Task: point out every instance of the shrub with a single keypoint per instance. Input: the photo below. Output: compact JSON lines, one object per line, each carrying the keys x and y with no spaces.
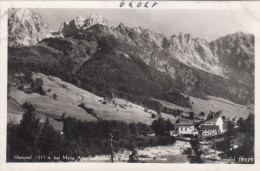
{"x":202,"y":113}
{"x":28,"y":106}
{"x":63,"y":86}
{"x":55,"y":96}
{"x":28,"y":76}
{"x":41,"y":91}
{"x":133,"y":128}
{"x":28,"y":91}
{"x":63,"y":115}
{"x":160,"y":126}
{"x":141,"y":127}
{"x":36,"y":85}
{"x":21,"y":87}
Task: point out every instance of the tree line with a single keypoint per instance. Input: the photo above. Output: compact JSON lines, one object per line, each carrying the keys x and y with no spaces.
{"x":79,"y":138}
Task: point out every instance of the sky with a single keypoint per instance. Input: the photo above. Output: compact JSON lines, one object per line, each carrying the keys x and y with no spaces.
{"x":206,"y":24}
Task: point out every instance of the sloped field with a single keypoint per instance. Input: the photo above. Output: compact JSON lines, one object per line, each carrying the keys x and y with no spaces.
{"x":70,"y":96}
{"x":68,"y":99}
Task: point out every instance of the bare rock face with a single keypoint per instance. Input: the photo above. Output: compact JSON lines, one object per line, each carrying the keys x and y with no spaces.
{"x":236,"y":54}
{"x":160,"y":51}
{"x":196,"y":66}
{"x":26,"y":28}
{"x":231,"y":56}
{"x":70,"y":27}
{"x":192,"y":52}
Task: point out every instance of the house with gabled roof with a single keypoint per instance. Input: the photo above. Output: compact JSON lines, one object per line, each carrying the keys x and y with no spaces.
{"x":216,"y":120}
{"x":209,"y":130}
{"x":184,"y":126}
{"x":212,"y":126}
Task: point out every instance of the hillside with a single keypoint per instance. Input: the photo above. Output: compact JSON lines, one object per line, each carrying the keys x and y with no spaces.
{"x":71,"y":59}
{"x":236,"y":54}
{"x":108,"y":73}
{"x":70,"y":96}
{"x":68,"y":99}
{"x":134,"y":64}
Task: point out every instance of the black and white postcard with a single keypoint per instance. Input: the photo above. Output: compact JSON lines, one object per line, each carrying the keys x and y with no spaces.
{"x":130,"y":82}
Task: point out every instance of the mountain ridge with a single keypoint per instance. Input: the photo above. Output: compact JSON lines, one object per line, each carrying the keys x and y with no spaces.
{"x":189,"y":62}
{"x":69,"y":27}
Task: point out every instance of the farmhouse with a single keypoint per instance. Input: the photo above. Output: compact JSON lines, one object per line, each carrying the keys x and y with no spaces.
{"x":218,"y":121}
{"x":184,"y":126}
{"x":212,"y":126}
{"x":209,"y":130}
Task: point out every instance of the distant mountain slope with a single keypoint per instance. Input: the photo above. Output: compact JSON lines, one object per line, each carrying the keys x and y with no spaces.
{"x":191,"y":80}
{"x":136,"y":63}
{"x":160,"y":50}
{"x":236,"y":53}
{"x":108,"y":73}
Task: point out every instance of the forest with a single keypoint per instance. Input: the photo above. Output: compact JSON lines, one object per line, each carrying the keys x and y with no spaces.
{"x":79,"y":138}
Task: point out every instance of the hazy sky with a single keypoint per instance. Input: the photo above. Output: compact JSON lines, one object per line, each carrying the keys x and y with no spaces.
{"x":207,"y":24}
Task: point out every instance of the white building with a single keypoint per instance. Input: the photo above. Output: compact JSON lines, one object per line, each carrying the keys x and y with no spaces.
{"x":217,"y":121}
{"x":184,"y":126}
{"x":213,"y":126}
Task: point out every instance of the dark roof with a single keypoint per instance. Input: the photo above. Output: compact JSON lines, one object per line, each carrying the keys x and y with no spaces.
{"x":195,"y":130}
{"x":146,"y":132}
{"x":209,"y":127}
{"x":197,"y":120}
{"x":184,"y":121}
{"x":213,"y":120}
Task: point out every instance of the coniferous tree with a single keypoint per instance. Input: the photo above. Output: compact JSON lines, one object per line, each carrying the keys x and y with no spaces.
{"x":29,"y":129}
{"x":49,"y":141}
{"x":228,"y":137}
{"x":133,"y":128}
{"x":248,"y":146}
{"x":195,"y":145}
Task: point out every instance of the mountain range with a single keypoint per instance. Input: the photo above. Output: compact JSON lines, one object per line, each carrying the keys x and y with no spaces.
{"x":133,"y":63}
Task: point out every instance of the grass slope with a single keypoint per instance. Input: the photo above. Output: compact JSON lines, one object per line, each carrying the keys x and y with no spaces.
{"x":70,"y":96}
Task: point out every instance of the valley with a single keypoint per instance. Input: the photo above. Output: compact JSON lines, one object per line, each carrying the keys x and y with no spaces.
{"x":95,"y":89}
{"x":69,"y":97}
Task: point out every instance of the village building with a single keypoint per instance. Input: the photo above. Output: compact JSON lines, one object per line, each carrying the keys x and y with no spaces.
{"x":209,"y":130}
{"x":212,"y":126}
{"x":184,"y":126}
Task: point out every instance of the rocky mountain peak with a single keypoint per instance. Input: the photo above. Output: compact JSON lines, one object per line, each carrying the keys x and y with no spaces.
{"x":23,"y":14}
{"x":26,"y":28}
{"x":185,"y":38}
{"x":79,"y":21}
{"x":240,"y":33}
{"x":122,"y":29}
{"x":97,"y":18}
{"x":69,"y":27}
{"x":236,"y":53}
{"x":121,"y":25}
{"x":229,"y":56}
